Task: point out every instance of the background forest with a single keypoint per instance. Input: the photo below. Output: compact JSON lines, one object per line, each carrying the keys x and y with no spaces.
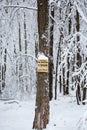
{"x":56,"y":29}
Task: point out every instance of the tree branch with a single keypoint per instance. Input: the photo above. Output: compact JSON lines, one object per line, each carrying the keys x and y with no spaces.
{"x":19,"y":6}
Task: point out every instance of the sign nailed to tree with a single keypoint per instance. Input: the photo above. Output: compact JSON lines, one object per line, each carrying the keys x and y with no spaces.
{"x":42,"y":64}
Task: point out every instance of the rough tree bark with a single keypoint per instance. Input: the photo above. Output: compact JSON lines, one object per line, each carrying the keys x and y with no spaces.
{"x":42,"y":96}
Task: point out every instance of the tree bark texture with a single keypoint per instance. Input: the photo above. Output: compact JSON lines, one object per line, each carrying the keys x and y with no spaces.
{"x":43,"y":25}
{"x":42,"y":96}
{"x":51,"y":66}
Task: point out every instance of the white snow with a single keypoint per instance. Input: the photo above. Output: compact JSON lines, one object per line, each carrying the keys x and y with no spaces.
{"x":65,"y":114}
{"x":16,"y":115}
{"x":41,"y":56}
{"x":81,"y":13}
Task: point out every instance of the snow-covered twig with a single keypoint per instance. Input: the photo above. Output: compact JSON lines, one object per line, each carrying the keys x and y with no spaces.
{"x":53,"y":19}
{"x":27,"y":55}
{"x":81,"y":12}
{"x":19,"y":6}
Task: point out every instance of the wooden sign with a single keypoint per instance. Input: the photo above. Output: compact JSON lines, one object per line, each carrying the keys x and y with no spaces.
{"x":42,"y":65}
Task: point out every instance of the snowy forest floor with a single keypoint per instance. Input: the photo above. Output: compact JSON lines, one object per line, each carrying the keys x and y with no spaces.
{"x":65,"y":114}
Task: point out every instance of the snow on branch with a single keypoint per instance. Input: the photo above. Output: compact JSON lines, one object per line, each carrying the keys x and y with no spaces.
{"x":82,"y":72}
{"x":53,"y":19}
{"x":72,"y":36}
{"x":25,"y":55}
{"x":81,"y":12}
{"x":19,"y":6}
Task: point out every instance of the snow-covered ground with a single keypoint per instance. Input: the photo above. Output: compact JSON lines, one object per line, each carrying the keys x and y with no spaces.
{"x":15,"y":115}
{"x":65,"y":114}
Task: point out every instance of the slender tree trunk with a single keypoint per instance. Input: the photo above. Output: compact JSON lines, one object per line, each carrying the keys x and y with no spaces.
{"x":70,"y":22}
{"x":68,"y":64}
{"x":51,"y":66}
{"x":19,"y":38}
{"x":64,"y":86}
{"x":0,"y":64}
{"x":58,"y":60}
{"x":84,"y":95}
{"x":4,"y":69}
{"x":57,"y":65}
{"x":78,"y":94}
{"x":67,"y":82}
{"x":78,"y":62}
{"x":56,"y":75}
{"x":25,"y":41}
{"x":60,"y":82}
{"x":84,"y":90}
{"x":19,"y":64}
{"x":25,"y":34}
{"x":0,"y":77}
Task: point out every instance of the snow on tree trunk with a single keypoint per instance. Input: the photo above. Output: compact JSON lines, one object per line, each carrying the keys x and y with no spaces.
{"x":78,"y":58}
{"x":51,"y":66}
{"x":42,"y":96}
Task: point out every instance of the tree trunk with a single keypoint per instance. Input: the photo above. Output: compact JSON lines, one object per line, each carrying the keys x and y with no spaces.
{"x":19,"y":38}
{"x":42,"y":96}
{"x":4,"y":69}
{"x":84,"y":95}
{"x":57,"y":65}
{"x":78,"y":93}
{"x":51,"y":66}
{"x":58,"y":60}
{"x":64,"y":86}
{"x":84,"y":90}
{"x":68,"y":63}
{"x":67,"y":82}
{"x":78,"y":60}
